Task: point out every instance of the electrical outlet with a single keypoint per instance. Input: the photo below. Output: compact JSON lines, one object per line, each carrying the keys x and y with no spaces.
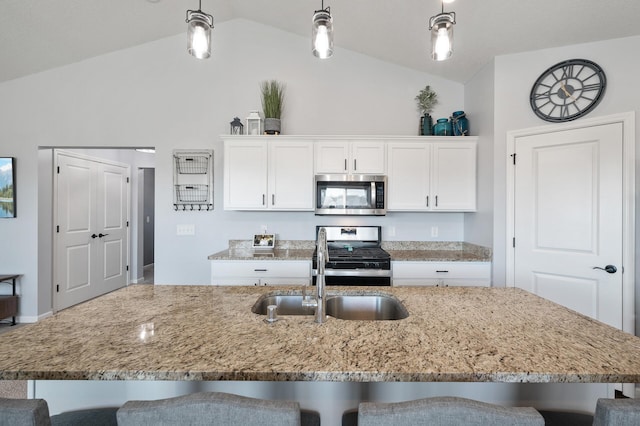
{"x":392,"y":231}
{"x":185,"y":230}
{"x":434,"y":231}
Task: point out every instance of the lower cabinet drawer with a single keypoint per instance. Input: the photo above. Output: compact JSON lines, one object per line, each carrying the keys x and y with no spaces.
{"x":441,"y":273}
{"x":258,"y":273}
{"x":249,"y":268}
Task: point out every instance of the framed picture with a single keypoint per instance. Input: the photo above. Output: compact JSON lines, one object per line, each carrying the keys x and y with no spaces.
{"x":264,"y":241}
{"x":7,"y":187}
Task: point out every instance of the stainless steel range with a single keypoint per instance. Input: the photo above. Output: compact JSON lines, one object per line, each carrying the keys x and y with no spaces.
{"x":355,"y":257}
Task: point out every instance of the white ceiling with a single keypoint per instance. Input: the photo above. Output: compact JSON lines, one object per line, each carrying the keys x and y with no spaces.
{"x":36,"y":35}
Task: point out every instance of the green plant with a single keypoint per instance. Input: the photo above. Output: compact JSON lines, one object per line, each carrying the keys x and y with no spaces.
{"x":272,"y":98}
{"x":426,"y":99}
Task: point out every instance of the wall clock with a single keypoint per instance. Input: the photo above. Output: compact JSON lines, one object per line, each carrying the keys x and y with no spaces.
{"x":568,"y":90}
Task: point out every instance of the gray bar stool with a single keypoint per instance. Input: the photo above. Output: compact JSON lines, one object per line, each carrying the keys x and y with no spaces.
{"x":617,"y":412}
{"x":24,"y":412}
{"x":446,"y":411}
{"x":209,"y":407}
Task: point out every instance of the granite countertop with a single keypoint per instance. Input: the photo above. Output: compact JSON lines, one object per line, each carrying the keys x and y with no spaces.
{"x":453,"y":334}
{"x":424,"y":251}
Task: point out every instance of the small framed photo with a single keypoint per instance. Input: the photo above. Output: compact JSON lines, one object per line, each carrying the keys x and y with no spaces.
{"x":264,"y":241}
{"x":7,"y":187}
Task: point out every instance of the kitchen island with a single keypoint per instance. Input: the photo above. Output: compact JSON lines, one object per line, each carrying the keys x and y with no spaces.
{"x":206,"y":333}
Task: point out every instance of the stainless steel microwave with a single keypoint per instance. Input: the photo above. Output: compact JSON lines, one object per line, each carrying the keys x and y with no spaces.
{"x":351,"y":195}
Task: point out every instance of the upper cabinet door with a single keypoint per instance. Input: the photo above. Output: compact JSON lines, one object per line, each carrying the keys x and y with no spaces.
{"x":409,"y":176}
{"x":332,"y":157}
{"x":453,"y":177}
{"x":245,"y":175}
{"x":359,"y":157}
{"x":368,"y":158}
{"x":290,"y":176}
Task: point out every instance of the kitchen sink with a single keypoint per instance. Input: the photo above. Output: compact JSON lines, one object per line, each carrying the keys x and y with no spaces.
{"x":373,"y":307}
{"x":287,"y":304}
{"x":369,"y":307}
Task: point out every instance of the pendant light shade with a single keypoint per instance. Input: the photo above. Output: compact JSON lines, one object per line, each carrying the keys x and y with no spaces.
{"x":199,"y":25}
{"x":441,"y":27}
{"x":322,"y":33}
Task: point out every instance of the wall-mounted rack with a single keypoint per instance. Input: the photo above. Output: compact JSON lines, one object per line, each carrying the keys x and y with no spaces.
{"x":193,"y":180}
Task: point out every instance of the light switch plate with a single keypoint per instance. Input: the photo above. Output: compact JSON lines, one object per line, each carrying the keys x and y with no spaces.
{"x":185,"y":230}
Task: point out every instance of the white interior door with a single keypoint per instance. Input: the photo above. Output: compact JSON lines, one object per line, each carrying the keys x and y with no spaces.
{"x":91,"y":229}
{"x":111,"y":211}
{"x":568,"y":219}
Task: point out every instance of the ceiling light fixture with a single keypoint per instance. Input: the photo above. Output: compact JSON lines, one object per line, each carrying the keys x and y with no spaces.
{"x":199,"y":25}
{"x":441,"y":27}
{"x":322,"y":33}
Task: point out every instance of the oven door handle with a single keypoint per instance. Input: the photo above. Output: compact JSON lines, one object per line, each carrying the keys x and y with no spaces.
{"x":354,"y":272}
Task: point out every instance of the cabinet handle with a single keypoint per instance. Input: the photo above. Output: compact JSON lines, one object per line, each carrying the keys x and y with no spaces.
{"x":354,"y":165}
{"x":442,"y":271}
{"x":260,"y":270}
{"x":436,"y":201}
{"x":427,"y":201}
{"x":263,"y":200}
{"x":345,"y":164}
{"x":273,"y":199}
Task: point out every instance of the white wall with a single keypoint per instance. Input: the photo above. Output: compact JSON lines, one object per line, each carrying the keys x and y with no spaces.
{"x":479,"y":100}
{"x":157,"y":95}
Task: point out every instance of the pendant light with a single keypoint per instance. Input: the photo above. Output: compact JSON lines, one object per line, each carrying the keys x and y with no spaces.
{"x":322,"y":33}
{"x":441,"y":27}
{"x":199,"y":25}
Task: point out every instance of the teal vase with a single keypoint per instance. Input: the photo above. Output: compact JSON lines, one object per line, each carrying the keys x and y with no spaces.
{"x":442,"y":127}
{"x":460,"y":123}
{"x":426,"y":125}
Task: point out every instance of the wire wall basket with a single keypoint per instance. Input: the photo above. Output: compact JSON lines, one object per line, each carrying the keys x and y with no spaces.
{"x":197,"y":164}
{"x":193,"y":180}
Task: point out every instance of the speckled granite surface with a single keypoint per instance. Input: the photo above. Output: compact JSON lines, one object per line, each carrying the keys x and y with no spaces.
{"x":209,"y":333}
{"x":436,"y":251}
{"x":284,"y":250}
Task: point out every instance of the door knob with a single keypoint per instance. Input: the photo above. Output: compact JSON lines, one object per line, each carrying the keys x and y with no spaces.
{"x":94,"y":236}
{"x":609,"y":268}
{"x":102,"y":235}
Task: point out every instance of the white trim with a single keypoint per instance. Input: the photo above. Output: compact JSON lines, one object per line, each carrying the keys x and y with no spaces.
{"x":24,"y":319}
{"x":628,"y":190}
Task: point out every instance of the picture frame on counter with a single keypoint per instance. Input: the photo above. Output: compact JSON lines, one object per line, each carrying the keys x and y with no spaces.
{"x":7,"y":187}
{"x":264,"y":241}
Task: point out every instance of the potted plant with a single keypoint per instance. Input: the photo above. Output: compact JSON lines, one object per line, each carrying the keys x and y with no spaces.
{"x":426,"y":100}
{"x":272,"y":105}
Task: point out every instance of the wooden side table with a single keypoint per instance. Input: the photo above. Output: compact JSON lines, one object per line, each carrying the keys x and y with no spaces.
{"x":9,"y":303}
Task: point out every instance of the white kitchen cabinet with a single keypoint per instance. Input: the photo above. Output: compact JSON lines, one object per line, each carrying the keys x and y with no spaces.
{"x":350,"y":157}
{"x":266,"y":174}
{"x":453,"y":176}
{"x":260,"y":272}
{"x":409,"y":273}
{"x":431,"y":175}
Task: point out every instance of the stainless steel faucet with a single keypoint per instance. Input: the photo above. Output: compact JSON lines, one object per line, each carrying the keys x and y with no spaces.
{"x":322,"y":257}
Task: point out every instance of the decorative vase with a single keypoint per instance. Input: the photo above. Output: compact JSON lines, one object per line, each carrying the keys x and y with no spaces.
{"x":426,"y":125}
{"x":442,"y":127}
{"x":272,"y":126}
{"x":460,"y":123}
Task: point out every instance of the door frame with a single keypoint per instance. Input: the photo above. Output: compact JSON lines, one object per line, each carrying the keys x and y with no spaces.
{"x":54,"y":203}
{"x":628,"y":194}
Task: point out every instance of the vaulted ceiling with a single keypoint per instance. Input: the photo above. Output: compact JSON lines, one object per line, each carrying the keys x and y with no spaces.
{"x":36,"y":35}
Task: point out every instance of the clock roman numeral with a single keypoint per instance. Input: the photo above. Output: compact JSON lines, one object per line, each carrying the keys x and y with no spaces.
{"x":567,"y":72}
{"x":589,"y":87}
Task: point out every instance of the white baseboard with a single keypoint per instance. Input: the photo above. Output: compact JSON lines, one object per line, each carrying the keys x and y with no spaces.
{"x":24,"y":319}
